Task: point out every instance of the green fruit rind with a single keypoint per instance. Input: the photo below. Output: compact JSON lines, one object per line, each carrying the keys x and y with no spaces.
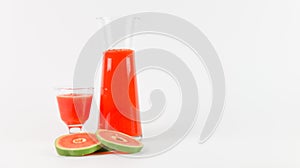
{"x":117,"y":146}
{"x":77,"y":152}
{"x":63,"y":151}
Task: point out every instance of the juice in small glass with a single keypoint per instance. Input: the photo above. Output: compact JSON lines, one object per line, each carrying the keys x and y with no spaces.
{"x":74,"y":106}
{"x":119,"y":108}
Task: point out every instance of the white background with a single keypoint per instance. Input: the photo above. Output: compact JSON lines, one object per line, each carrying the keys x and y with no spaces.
{"x":257,"y":42}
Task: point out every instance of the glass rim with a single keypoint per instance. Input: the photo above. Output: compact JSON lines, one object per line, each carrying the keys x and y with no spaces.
{"x":74,"y":88}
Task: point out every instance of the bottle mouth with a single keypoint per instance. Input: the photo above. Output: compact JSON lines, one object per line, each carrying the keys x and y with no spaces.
{"x":123,"y":50}
{"x":119,"y":49}
{"x":118,"y":53}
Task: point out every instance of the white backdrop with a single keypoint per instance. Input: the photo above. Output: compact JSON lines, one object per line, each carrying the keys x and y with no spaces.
{"x":257,"y":42}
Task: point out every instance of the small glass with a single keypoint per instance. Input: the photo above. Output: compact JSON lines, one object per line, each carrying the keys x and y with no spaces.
{"x":74,"y":106}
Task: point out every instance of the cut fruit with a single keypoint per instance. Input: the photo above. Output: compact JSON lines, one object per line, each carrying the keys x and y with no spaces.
{"x":119,"y":141}
{"x":78,"y":144}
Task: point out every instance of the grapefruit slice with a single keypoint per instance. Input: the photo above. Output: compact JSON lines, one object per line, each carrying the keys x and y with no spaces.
{"x":119,"y":141}
{"x":78,"y":144}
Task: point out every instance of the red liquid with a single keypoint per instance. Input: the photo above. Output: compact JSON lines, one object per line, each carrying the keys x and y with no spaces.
{"x":119,"y":108}
{"x":74,"y":108}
